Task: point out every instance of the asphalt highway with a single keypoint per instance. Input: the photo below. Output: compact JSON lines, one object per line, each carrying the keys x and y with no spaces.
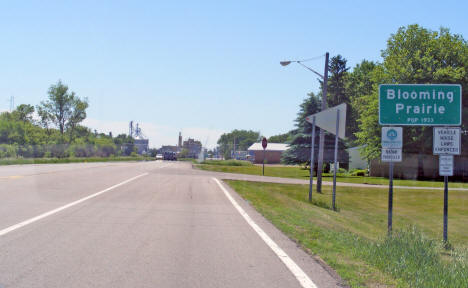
{"x":140,"y":224}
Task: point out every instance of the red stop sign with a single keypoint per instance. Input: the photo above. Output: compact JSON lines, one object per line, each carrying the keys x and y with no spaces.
{"x":264,"y":143}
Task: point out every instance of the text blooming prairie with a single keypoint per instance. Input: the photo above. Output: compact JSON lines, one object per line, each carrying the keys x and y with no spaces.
{"x":414,"y":104}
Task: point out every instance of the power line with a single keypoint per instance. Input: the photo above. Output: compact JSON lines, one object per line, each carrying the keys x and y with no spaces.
{"x":313,"y":58}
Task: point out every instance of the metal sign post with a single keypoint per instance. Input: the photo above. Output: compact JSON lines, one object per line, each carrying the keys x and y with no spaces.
{"x":392,"y":143}
{"x":445,"y":169}
{"x":445,"y":207}
{"x":446,"y":143}
{"x":312,"y":162}
{"x":336,"y":156}
{"x":390,"y":198}
{"x":329,"y":120}
{"x":421,"y":105}
{"x":264,"y":145}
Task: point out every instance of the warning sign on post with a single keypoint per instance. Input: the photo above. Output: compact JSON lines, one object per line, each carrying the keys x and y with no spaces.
{"x":391,"y":155}
{"x":446,"y":165}
{"x":446,"y":141}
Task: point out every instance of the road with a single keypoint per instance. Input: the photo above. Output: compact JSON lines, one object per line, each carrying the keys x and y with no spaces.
{"x":142,"y":224}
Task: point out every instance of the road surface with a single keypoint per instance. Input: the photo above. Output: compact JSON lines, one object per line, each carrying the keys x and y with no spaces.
{"x":143,"y":224}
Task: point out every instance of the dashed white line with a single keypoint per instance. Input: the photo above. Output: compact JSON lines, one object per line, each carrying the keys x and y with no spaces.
{"x":300,"y":275}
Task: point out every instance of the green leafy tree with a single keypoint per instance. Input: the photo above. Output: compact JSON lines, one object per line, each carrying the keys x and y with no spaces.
{"x":280,"y":138}
{"x":77,"y":115}
{"x":23,"y":113}
{"x":300,"y":143}
{"x":414,"y":55}
{"x":337,"y":81}
{"x":63,"y":108}
{"x":242,"y":139}
{"x":359,"y":85}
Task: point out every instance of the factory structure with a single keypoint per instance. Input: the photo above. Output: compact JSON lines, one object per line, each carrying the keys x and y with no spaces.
{"x":189,"y":148}
{"x":140,"y":141}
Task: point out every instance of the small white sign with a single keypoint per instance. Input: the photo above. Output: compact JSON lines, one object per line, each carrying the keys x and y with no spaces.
{"x":391,"y":155}
{"x":392,"y":137}
{"x":446,"y":165}
{"x":446,"y":141}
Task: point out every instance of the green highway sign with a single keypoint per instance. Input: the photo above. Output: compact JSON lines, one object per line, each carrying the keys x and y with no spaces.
{"x":420,"y":104}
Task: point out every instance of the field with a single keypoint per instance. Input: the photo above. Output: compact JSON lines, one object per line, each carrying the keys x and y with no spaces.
{"x":300,"y":173}
{"x":353,"y":240}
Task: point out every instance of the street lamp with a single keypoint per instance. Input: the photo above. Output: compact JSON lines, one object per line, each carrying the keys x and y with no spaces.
{"x":324,"y":106}
{"x":286,"y":63}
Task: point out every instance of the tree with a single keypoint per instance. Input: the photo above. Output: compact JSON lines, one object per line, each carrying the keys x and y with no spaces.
{"x":300,"y":143}
{"x":337,"y":81}
{"x":359,"y":85}
{"x":280,"y":138}
{"x":77,"y":115}
{"x":23,"y":112}
{"x":242,"y":139}
{"x":63,"y":108}
{"x":414,"y":55}
{"x":44,"y":119}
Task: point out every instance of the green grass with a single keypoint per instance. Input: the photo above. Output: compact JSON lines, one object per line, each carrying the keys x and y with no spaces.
{"x":235,"y":163}
{"x":300,"y":173}
{"x":353,"y":241}
{"x":15,"y":161}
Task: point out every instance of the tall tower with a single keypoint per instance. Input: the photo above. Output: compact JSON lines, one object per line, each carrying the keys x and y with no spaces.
{"x":180,"y":139}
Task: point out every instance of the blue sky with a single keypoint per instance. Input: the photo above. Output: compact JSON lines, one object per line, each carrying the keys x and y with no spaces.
{"x":200,"y":67}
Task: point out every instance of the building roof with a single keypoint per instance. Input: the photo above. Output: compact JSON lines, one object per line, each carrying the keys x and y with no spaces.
{"x":270,"y":147}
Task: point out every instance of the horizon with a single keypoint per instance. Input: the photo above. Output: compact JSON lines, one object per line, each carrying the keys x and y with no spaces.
{"x":177,"y":66}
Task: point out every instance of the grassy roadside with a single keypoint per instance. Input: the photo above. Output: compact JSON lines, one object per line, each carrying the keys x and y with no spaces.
{"x":299,"y":173}
{"x":353,"y":241}
{"x":17,"y":161}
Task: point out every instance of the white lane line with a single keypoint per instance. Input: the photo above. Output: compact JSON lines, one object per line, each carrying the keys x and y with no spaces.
{"x":300,"y":275}
{"x":56,"y":210}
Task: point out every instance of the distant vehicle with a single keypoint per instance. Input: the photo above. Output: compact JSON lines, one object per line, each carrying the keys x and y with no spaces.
{"x":159,"y":157}
{"x":171,"y":156}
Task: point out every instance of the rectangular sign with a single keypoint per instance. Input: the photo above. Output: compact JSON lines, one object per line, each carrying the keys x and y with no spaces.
{"x":446,"y":140}
{"x":420,"y":104}
{"x":391,"y":155}
{"x":392,"y":137}
{"x":446,"y":165}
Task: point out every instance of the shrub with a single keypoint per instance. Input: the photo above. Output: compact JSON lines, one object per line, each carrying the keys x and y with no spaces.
{"x":358,"y":172}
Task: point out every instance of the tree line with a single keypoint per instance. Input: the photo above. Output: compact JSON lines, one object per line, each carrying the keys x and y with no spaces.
{"x":53,"y":129}
{"x":413,"y":55}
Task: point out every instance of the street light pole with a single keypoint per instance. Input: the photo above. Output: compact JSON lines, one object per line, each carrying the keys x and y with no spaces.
{"x":322,"y":135}
{"x":324,"y":107}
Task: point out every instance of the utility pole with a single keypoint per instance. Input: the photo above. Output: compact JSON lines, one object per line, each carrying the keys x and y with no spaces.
{"x":322,"y":135}
{"x":12,"y":103}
